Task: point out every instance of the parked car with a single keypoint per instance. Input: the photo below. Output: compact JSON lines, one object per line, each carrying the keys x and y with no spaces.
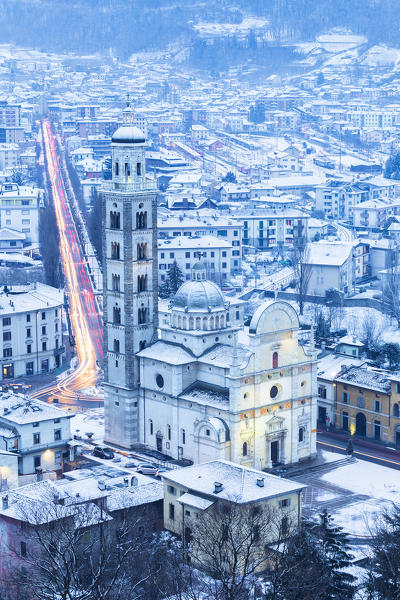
{"x":130,"y":465}
{"x":101,"y":452}
{"x":147,"y":468}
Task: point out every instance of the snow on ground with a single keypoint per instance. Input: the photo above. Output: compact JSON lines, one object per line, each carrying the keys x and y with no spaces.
{"x":92,"y":420}
{"x":366,"y":478}
{"x":360,"y":519}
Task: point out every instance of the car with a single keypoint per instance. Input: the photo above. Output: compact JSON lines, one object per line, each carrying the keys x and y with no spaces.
{"x":101,"y":452}
{"x":117,"y":459}
{"x":147,"y":468}
{"x":159,"y":471}
{"x":130,"y":465}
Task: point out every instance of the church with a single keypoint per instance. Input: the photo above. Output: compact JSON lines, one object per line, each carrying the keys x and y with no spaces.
{"x":190,"y":380}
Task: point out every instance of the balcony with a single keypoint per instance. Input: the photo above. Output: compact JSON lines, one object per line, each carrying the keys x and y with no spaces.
{"x":40,"y":447}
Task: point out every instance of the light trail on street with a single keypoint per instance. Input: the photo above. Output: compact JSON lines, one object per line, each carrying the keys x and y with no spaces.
{"x":80,"y":384}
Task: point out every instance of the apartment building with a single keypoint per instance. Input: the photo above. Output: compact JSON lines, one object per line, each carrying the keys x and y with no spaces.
{"x":30,"y":330}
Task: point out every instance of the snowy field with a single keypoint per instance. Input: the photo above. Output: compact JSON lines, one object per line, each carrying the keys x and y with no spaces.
{"x":361,"y":477}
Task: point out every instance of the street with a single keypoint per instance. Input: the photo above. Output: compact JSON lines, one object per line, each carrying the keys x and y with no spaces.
{"x":80,"y":384}
{"x":363,"y":450}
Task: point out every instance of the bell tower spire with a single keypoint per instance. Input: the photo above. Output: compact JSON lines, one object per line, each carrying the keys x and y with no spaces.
{"x":129,"y":279}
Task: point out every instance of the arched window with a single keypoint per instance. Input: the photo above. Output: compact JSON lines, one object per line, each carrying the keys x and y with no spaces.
{"x":115,"y":282}
{"x":183,"y":436}
{"x":275,"y":360}
{"x":301,"y":434}
{"x":141,"y":220}
{"x":217,"y":322}
{"x":142,"y":315}
{"x":142,"y":345}
{"x":115,"y":250}
{"x":138,"y":169}
{"x":198,"y":322}
{"x":222,"y":322}
{"x":212,"y":323}
{"x":191,"y":323}
{"x":127,"y":170}
{"x":116,"y":169}
{"x":396,"y":412}
{"x":116,"y":315}
{"x":142,"y":283}
{"x":205,"y":324}
{"x":151,"y":426}
{"x":115,"y":220}
{"x":141,"y":251}
{"x":244,"y":449}
{"x":116,"y":346}
{"x":169,"y":431}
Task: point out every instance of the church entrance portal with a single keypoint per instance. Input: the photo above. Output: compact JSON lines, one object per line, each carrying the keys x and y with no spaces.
{"x":361,"y":425}
{"x":159,"y":443}
{"x":274,"y":451}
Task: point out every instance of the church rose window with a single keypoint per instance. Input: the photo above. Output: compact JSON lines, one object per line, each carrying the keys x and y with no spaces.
{"x":273,"y":391}
{"x":159,"y":380}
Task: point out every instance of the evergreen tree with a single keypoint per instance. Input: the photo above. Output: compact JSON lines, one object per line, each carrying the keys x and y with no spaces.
{"x":322,"y":326}
{"x":392,"y":166}
{"x":95,"y":226}
{"x":300,"y":571}
{"x":383,"y":581}
{"x":175,"y":278}
{"x":164,"y":290}
{"x":335,"y":547}
{"x":229,"y":177}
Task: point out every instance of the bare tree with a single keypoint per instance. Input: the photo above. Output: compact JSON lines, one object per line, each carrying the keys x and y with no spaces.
{"x":302,"y":271}
{"x":76,"y":551}
{"x":230,"y":543}
{"x":391,"y":293}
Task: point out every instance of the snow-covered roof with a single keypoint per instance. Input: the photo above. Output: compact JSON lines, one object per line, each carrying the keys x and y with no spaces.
{"x":175,"y":354}
{"x":350,"y":340}
{"x":330,"y":365}
{"x":366,"y":378}
{"x":202,"y":394}
{"x":195,"y":501}
{"x":203,"y":241}
{"x":239,"y":484}
{"x":331,"y":254}
{"x":19,"y":409}
{"x":37,"y":296}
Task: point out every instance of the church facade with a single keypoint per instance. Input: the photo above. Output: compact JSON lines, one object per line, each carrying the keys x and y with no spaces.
{"x":211,"y":391}
{"x":197,"y":385}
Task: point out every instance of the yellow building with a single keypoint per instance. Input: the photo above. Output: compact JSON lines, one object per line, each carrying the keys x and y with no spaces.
{"x":367,"y":403}
{"x":192,"y":492}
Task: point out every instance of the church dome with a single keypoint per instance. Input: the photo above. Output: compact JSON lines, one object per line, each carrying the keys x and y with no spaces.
{"x":128,"y":134}
{"x":198,"y":296}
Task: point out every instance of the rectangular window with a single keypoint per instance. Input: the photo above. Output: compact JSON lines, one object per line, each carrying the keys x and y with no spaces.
{"x":378,"y":406}
{"x":361,"y":402}
{"x":36,"y":462}
{"x":28,"y":318}
{"x":57,"y":434}
{"x":29,"y":348}
{"x":23,"y":549}
{"x":138,"y":169}
{"x":187,"y":254}
{"x":7,"y":352}
{"x":43,"y":316}
{"x":44,"y":330}
{"x":285,"y":503}
{"x":172,"y":512}
{"x":6,"y":321}
{"x":322,"y":391}
{"x":44,"y":346}
{"x":28,"y":332}
{"x":36,"y":438}
{"x":6,"y":336}
{"x":171,"y":490}
{"x":345,"y":397}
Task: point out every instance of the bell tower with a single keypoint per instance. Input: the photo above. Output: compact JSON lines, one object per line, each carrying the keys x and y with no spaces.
{"x":129,"y":225}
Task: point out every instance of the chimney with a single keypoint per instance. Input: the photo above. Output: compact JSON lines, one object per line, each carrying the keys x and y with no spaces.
{"x":134,"y":481}
{"x":126,"y":481}
{"x":260,"y":481}
{"x":5,"y":502}
{"x":101,"y":484}
{"x":218,"y":487}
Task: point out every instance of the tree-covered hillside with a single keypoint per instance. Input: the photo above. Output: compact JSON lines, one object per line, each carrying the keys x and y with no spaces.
{"x":127,"y":26}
